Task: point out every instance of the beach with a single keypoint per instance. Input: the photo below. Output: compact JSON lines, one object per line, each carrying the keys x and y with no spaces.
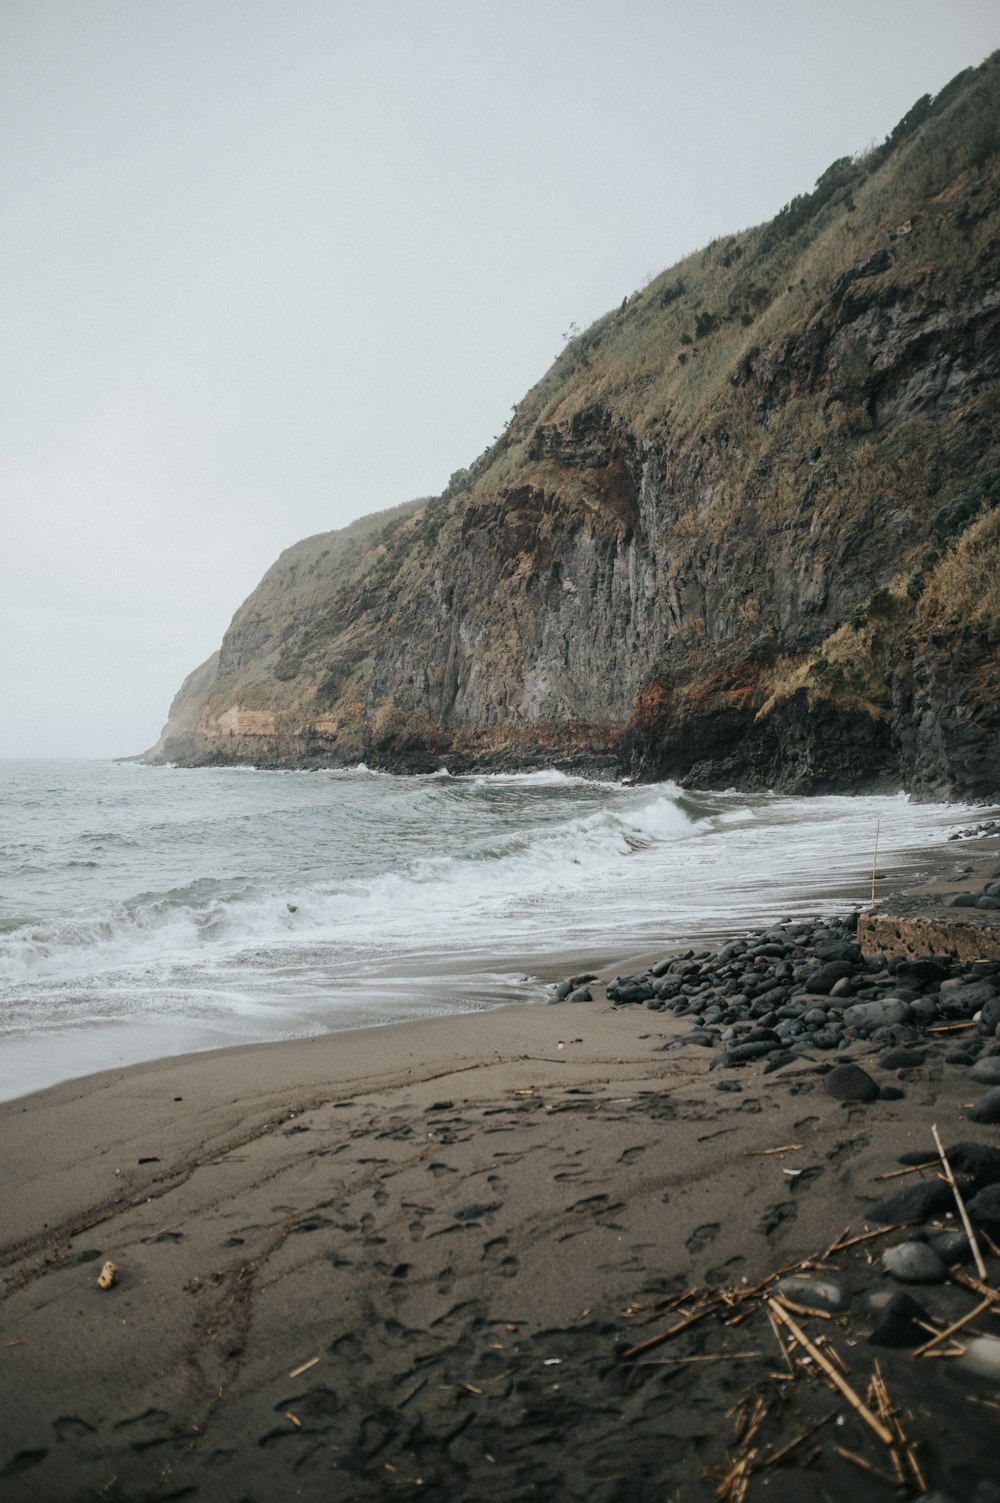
{"x":436,"y":1259}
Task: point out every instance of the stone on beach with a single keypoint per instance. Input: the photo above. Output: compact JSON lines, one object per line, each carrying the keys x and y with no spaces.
{"x":914,"y":1263}
{"x":898,"y":1323}
{"x":987,"y":1108}
{"x":850,"y":1083}
{"x":915,"y":1203}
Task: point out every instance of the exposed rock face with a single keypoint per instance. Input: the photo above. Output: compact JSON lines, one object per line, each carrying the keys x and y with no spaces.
{"x":732,"y":536}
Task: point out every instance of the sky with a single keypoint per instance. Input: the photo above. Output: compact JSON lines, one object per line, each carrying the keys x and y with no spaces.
{"x":269,"y":265}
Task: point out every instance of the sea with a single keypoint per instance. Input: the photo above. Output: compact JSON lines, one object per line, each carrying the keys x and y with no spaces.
{"x":148,"y":911}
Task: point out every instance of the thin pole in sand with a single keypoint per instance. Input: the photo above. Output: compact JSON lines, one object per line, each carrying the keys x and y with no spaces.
{"x":878,"y":823}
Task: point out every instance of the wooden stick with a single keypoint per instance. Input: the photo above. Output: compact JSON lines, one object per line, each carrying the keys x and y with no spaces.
{"x":793,"y":1445}
{"x":944,"y":1335}
{"x":980,"y":1265}
{"x":951,"y":1027}
{"x":835,"y":1244}
{"x":684,"y":1361}
{"x":298,"y":1371}
{"x":682,"y":1325}
{"x":796,"y":1309}
{"x":867,"y":1466}
{"x":912,"y":1169}
{"x":983,"y":1290}
{"x":763,"y":1153}
{"x":781,"y":1344}
{"x":858,"y":1405}
{"x":880,"y":1231}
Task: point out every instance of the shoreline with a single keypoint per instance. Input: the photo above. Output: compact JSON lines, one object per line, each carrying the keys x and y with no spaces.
{"x":41,"y":1060}
{"x":411,"y":1261}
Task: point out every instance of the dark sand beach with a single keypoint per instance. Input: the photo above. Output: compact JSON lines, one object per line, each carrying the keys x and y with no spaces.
{"x":417,"y":1261}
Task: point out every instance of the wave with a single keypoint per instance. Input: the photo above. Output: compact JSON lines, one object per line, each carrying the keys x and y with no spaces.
{"x":448,"y":896}
{"x":295,"y":882}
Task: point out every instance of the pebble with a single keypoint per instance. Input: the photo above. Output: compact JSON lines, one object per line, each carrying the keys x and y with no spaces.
{"x":987,"y":1108}
{"x":986,"y":1071}
{"x":850,"y":1083}
{"x":896,"y":1324}
{"x":867,"y":1016}
{"x":903,"y":1059}
{"x":977,"y":1162}
{"x":914,"y":1263}
{"x":951,"y":1247}
{"x":982,"y":1357}
{"x":815,"y":1294}
{"x":984,"y":1209}
{"x":915,"y":1203}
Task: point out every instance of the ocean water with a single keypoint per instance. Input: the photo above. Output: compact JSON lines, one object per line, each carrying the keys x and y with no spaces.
{"x":150,"y":911}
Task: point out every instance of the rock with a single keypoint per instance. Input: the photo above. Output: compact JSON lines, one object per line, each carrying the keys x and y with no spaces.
{"x":741,"y":1054}
{"x":977,"y":1162}
{"x":822,"y":980}
{"x":989,"y":1016}
{"x":914,"y":1263}
{"x":986,"y":1071}
{"x":728,"y":1085}
{"x":951,"y":1247}
{"x":902,"y":1059}
{"x":581,"y":994}
{"x":922,"y":970}
{"x":984,"y":1209}
{"x":915,"y":1203}
{"x":850,"y":1083}
{"x":987,"y":1108}
{"x":897,"y":1323}
{"x":982,"y":1357}
{"x":965,"y":1000}
{"x":884,"y":1014}
{"x":814,"y":1294}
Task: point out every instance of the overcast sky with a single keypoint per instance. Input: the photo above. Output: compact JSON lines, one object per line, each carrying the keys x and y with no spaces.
{"x":268,"y":265}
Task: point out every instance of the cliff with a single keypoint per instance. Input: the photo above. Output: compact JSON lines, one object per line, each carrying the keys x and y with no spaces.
{"x":743,"y":531}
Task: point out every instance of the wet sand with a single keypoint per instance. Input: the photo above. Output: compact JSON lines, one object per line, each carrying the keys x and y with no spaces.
{"x":411,"y":1262}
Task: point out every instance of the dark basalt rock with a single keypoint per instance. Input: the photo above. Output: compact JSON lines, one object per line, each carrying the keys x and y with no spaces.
{"x":850,"y":1083}
{"x":898,"y":1323}
{"x":915,"y":1203}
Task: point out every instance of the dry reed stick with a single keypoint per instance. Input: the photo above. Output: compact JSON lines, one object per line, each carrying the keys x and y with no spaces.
{"x":943,"y":1335}
{"x":880,"y":1231}
{"x":967,"y":1224}
{"x":884,"y":1434}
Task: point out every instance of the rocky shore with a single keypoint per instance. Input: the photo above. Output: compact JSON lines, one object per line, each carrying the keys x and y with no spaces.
{"x":729,"y":1232}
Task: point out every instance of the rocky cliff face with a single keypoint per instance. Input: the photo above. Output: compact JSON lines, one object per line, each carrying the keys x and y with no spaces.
{"x":742,"y":532}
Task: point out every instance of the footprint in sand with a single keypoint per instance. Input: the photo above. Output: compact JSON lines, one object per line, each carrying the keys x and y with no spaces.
{"x":776,"y":1216}
{"x":507,"y":1264}
{"x":22,"y":1461}
{"x":702,"y":1236}
{"x":847,"y":1148}
{"x":724,"y":1273}
{"x":70,"y":1427}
